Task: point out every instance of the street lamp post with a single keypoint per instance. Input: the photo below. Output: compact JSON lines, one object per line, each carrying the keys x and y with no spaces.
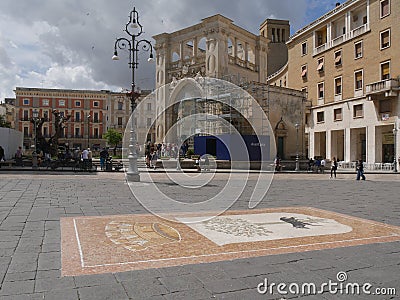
{"x":134,"y":29}
{"x":35,"y":118}
{"x":179,"y":139}
{"x":297,"y":126}
{"x":394,"y":151}
{"x":88,"y":131}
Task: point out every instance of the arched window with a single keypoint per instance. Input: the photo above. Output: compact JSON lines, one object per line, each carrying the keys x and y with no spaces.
{"x":188,"y":50}
{"x":250,"y":55}
{"x":201,"y":46}
{"x":175,"y":57}
{"x":230,"y":47}
{"x":240,"y":50}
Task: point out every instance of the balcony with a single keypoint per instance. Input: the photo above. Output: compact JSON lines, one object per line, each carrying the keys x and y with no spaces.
{"x":382,"y":89}
{"x":338,"y":40}
{"x":359,"y":31}
{"x":342,"y":39}
{"x":320,"y":49}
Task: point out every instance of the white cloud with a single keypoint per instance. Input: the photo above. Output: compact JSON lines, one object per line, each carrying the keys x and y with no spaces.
{"x":69,"y":44}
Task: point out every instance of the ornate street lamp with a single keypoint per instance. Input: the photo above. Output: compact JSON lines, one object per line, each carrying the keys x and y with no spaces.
{"x":35,"y":118}
{"x":134,"y":29}
{"x":297,"y":126}
{"x":88,"y":130}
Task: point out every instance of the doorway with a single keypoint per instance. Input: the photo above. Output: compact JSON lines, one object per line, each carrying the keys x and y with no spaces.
{"x":211,"y":146}
{"x":281,"y":147}
{"x":388,"y":153}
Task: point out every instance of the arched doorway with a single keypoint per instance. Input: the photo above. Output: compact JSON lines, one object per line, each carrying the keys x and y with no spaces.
{"x":280,"y":135}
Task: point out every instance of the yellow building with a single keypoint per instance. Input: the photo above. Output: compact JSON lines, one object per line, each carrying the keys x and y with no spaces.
{"x":348,"y":63}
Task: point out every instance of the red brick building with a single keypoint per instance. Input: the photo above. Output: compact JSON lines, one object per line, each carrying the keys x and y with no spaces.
{"x":88,"y":111}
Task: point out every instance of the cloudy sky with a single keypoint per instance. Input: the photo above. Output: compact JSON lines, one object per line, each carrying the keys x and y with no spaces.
{"x":69,"y":43}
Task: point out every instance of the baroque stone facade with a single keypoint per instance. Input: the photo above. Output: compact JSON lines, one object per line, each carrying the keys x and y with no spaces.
{"x":219,"y":49}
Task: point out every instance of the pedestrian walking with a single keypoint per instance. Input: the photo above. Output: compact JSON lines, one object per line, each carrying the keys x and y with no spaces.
{"x":2,"y":155}
{"x":159,"y":146}
{"x":334,"y":165}
{"x":153,"y":158}
{"x":103,"y":157}
{"x":85,"y":158}
{"x":310,"y":165}
{"x":277,"y":163}
{"x":360,"y":170}
{"x":184,"y":148}
{"x":323,"y":164}
{"x":18,"y":157}
{"x":317,"y":164}
{"x":206,"y":163}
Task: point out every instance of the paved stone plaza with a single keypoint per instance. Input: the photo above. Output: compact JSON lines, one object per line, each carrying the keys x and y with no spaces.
{"x":31,"y":206}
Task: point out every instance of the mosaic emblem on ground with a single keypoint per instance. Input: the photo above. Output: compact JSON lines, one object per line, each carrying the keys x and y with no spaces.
{"x":140,"y":236}
{"x":224,"y":230}
{"x":105,"y":244}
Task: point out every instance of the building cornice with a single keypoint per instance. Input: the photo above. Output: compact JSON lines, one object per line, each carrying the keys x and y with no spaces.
{"x":333,"y":103}
{"x":38,"y":92}
{"x":210,"y":24}
{"x":325,"y":18}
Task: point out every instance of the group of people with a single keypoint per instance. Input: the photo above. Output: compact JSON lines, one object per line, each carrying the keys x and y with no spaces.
{"x":316,"y":165}
{"x":359,"y":169}
{"x":153,"y":151}
{"x":151,"y":154}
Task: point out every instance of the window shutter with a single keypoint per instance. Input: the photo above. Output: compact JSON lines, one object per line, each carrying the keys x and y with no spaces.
{"x":385,"y":38}
{"x":385,"y":69}
{"x":320,"y":66}
{"x":385,"y":8}
{"x":358,"y":50}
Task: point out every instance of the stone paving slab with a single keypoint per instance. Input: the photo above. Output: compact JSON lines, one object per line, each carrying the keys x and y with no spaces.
{"x":35,"y":196}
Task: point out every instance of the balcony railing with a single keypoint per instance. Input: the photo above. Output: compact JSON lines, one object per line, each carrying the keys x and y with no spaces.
{"x":358,"y":31}
{"x":388,"y":88}
{"x":338,"y":40}
{"x":341,"y":39}
{"x":320,"y":49}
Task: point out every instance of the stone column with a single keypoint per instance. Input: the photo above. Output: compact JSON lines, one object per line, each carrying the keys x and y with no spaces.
{"x":195,"y":49}
{"x":348,"y":22}
{"x":235,"y":47}
{"x":311,"y":143}
{"x":246,"y":52}
{"x":371,"y":151}
{"x":328,"y":34}
{"x":347,"y":145}
{"x":328,"y":144}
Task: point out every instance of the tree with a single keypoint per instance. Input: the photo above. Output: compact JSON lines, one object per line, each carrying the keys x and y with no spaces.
{"x":3,"y":122}
{"x":113,"y":137}
{"x":50,"y":145}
